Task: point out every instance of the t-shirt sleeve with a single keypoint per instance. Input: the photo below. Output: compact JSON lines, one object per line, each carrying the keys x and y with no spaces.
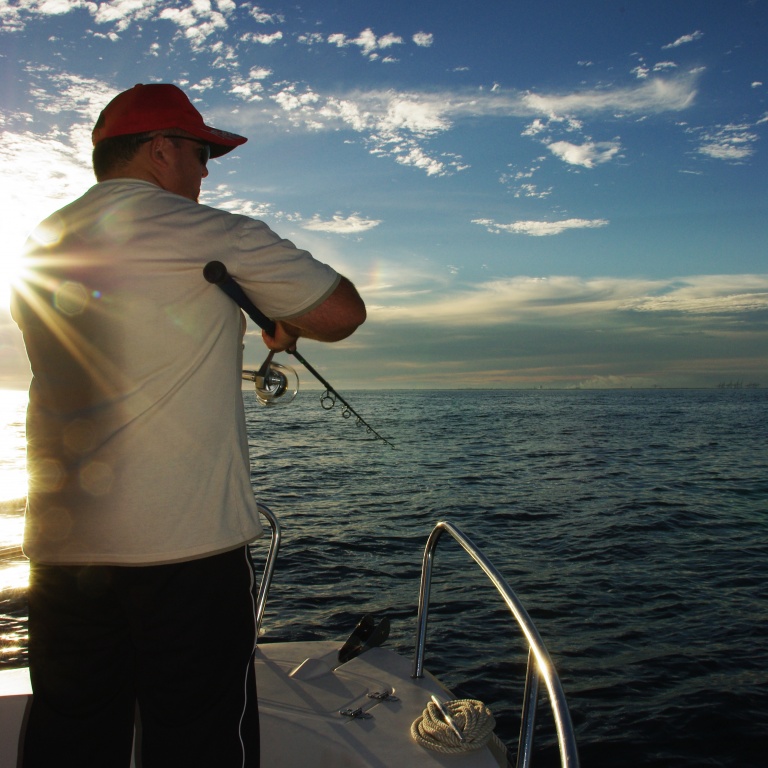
{"x":282,"y":280}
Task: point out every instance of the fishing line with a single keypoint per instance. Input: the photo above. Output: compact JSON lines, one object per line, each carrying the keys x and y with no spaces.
{"x":273,"y":380}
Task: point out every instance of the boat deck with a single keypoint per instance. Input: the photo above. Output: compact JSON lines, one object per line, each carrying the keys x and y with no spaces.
{"x":301,"y":724}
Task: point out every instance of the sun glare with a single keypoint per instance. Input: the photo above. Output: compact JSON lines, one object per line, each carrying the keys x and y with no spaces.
{"x":18,"y":225}
{"x":10,"y":272}
{"x":14,"y":576}
{"x":24,"y":207}
{"x":13,"y":469}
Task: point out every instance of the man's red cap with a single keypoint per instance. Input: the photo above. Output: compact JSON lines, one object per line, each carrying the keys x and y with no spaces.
{"x":157,"y":107}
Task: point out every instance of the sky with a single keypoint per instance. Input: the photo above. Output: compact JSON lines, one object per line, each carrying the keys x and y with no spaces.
{"x":548,"y":194}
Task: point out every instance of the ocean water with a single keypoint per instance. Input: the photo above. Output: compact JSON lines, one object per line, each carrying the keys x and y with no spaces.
{"x":633,"y":525}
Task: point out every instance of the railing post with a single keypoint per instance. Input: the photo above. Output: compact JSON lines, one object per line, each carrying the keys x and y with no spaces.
{"x":528,"y":716}
{"x":269,"y":566}
{"x":424,"y":591}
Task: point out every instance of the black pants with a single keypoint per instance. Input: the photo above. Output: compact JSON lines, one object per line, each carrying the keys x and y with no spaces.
{"x":173,"y":642}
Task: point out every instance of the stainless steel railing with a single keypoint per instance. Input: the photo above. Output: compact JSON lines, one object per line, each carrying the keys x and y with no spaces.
{"x":540,"y":665}
{"x":269,"y":565}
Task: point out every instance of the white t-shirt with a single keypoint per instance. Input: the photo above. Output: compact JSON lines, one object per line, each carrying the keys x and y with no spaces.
{"x":137,"y":447}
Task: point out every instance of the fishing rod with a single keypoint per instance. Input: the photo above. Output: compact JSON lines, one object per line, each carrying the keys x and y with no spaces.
{"x":272,"y":379}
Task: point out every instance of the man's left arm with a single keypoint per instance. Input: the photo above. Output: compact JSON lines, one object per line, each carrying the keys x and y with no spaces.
{"x":337,"y":317}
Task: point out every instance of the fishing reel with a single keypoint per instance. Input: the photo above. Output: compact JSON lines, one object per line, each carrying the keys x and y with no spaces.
{"x":275,"y":384}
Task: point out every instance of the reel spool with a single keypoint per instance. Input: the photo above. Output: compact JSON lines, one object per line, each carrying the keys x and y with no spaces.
{"x":275,"y":384}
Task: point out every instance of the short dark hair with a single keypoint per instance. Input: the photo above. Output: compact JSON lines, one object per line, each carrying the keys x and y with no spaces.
{"x":110,"y":154}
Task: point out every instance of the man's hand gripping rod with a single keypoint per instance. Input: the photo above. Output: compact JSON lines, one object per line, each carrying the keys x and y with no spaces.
{"x":215,"y":272}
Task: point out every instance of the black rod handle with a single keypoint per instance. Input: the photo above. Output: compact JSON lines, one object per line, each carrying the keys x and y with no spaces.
{"x":215,"y":272}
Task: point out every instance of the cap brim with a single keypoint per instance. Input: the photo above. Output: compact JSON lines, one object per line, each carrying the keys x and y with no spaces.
{"x":220,"y":141}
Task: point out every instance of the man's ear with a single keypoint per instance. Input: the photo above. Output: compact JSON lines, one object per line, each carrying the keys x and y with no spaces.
{"x":158,"y":156}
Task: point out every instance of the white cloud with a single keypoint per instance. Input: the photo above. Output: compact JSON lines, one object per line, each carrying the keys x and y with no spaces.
{"x":226,"y":55}
{"x":262,"y":39}
{"x":388,"y":40}
{"x":521,"y":185}
{"x":121,"y":13}
{"x":247,"y":90}
{"x":64,"y":92}
{"x":705,"y":295}
{"x":535,"y":128}
{"x":197,"y":21}
{"x":397,"y":124}
{"x":586,"y":155}
{"x":340,"y":224}
{"x":291,"y":100}
{"x":206,"y":84}
{"x":225,"y":197}
{"x":531,"y":190}
{"x":182,"y":17}
{"x":418,"y":117}
{"x":702,"y":305}
{"x":697,"y":35}
{"x":263,"y":17}
{"x":410,"y":154}
{"x":728,"y":142}
{"x":311,"y":38}
{"x":605,"y":331}
{"x":423,"y":39}
{"x":584,"y":301}
{"x":56,"y":7}
{"x":540,"y":228}
{"x":367,"y":41}
{"x":653,"y":95}
{"x":642,"y":71}
{"x":199,"y":16}
{"x":259,"y":73}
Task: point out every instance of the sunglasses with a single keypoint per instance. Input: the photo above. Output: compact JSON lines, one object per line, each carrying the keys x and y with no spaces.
{"x":205,"y":147}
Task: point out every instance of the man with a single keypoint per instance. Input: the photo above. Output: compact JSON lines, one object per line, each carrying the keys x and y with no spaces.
{"x":140,"y":506}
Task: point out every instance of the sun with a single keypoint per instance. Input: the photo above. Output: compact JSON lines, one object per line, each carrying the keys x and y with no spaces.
{"x":16,"y":220}
{"x":40,"y":174}
{"x":11,"y":270}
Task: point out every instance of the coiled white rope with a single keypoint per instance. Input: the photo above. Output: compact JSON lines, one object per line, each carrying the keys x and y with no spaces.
{"x":472,"y":718}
